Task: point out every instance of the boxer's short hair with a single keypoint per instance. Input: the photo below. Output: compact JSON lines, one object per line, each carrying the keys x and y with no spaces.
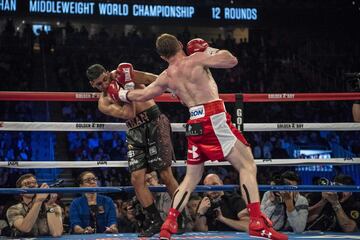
{"x":167,"y":45}
{"x":94,"y":71}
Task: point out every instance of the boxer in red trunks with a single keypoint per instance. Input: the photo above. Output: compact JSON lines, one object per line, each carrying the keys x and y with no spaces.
{"x":210,"y":132}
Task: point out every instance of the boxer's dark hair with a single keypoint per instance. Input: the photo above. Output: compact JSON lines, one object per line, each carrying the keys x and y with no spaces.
{"x":94,"y":71}
{"x":167,"y":45}
{"x":22,"y":178}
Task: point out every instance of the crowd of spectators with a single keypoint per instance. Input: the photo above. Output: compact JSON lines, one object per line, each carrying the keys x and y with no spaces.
{"x":44,"y":214}
{"x":15,"y":147}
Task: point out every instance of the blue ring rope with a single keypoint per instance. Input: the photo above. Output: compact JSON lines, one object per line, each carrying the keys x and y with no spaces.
{"x":199,"y":188}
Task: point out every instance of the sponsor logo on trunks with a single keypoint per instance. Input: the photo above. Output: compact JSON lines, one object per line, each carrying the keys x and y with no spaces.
{"x":194,"y":129}
{"x":154,"y":160}
{"x":281,"y":95}
{"x":197,"y":112}
{"x":90,"y":125}
{"x":138,"y":120}
{"x":193,"y":152}
{"x":152,"y":150}
{"x":133,"y":161}
{"x":290,"y":125}
{"x":131,"y":154}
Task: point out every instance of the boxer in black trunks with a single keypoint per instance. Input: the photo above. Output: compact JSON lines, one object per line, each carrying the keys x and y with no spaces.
{"x":148,"y":137}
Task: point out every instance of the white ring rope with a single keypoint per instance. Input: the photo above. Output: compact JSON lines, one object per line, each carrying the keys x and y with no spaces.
{"x":176,"y":127}
{"x":180,"y":163}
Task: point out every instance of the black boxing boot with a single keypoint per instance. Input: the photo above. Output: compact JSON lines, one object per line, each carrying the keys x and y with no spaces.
{"x":154,"y":223}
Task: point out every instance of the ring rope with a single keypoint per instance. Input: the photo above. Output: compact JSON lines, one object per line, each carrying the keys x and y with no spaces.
{"x":176,"y":127}
{"x":179,"y":163}
{"x":166,"y":97}
{"x":199,"y":188}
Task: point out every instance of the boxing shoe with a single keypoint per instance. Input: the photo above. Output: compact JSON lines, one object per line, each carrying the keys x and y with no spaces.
{"x":262,"y":227}
{"x":169,"y":227}
{"x":153,"y":229}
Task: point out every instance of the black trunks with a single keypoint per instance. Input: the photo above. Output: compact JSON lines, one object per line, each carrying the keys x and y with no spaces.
{"x":149,"y":141}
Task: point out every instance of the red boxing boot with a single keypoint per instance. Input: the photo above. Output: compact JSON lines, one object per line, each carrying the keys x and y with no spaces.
{"x":260,"y":225}
{"x":170,"y":225}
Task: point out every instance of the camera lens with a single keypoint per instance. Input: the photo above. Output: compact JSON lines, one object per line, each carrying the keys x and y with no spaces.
{"x":324,"y":181}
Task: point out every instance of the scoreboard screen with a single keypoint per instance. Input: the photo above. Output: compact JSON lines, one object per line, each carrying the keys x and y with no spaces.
{"x":192,"y":12}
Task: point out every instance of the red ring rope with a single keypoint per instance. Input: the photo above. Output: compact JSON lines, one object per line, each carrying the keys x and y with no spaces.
{"x":166,"y":97}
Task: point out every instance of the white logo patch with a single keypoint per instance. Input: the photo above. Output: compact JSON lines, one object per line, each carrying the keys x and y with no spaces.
{"x":197,"y":112}
{"x":193,"y":152}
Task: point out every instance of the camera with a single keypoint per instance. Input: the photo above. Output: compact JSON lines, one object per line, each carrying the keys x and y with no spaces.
{"x":353,"y":81}
{"x":326,"y":182}
{"x":55,"y":184}
{"x":138,"y":212}
{"x":214,"y":204}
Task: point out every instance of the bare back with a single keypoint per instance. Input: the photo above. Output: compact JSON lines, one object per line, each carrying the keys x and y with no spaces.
{"x":191,"y":82}
{"x":188,"y":77}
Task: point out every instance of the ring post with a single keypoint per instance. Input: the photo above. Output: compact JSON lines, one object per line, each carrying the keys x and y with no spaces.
{"x":239,"y":111}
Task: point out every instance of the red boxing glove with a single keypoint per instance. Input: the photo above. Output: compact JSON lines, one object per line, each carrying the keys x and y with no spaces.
{"x":125,"y":75}
{"x":117,"y":93}
{"x":113,"y":91}
{"x":199,"y":45}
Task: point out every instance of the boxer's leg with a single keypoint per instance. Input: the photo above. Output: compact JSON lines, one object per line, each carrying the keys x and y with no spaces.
{"x":242,"y":159}
{"x":181,"y":197}
{"x":169,"y":180}
{"x":142,"y":191}
{"x":192,"y":178}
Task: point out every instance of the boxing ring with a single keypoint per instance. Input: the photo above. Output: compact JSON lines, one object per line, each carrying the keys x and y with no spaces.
{"x":238,"y":99}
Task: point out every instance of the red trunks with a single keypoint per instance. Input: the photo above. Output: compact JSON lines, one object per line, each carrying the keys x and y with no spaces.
{"x":210,"y":133}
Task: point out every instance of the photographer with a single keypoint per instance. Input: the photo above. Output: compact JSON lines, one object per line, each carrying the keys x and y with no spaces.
{"x":287,"y":210}
{"x":128,"y":220}
{"x":92,"y":213}
{"x":35,"y":215}
{"x":220,"y":211}
{"x":331,"y":211}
